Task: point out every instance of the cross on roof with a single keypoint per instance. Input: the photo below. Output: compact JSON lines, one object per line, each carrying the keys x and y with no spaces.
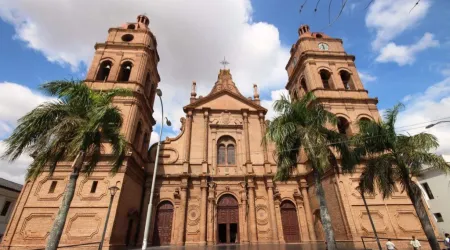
{"x":224,"y":62}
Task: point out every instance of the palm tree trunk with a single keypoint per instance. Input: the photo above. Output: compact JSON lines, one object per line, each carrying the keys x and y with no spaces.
{"x":415,"y":195}
{"x":60,"y":220}
{"x":324,"y":215}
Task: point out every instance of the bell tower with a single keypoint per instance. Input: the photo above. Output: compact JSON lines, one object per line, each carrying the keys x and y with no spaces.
{"x":319,"y":64}
{"x":129,"y":59}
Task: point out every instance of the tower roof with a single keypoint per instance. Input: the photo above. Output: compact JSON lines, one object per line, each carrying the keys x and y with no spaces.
{"x":225,"y":81}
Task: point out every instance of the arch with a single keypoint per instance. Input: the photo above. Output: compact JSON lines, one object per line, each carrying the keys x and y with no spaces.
{"x":137,"y":136}
{"x":343,"y":125}
{"x":289,"y":221}
{"x":325,"y":76}
{"x":162,"y":231}
{"x":125,"y":71}
{"x":145,"y":142}
{"x":346,"y":78}
{"x":104,"y":70}
{"x":365,"y":116}
{"x":226,"y":151}
{"x":319,"y":35}
{"x":303,"y":84}
{"x":227,"y":219}
{"x":131,"y":27}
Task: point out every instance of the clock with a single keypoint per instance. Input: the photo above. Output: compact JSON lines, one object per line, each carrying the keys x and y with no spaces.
{"x":323,"y":46}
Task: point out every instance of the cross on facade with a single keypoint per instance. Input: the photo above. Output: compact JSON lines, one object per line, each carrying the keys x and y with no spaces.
{"x":224,"y":62}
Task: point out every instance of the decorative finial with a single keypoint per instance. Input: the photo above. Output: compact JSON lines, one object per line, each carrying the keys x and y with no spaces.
{"x":193,"y":91}
{"x":224,"y":62}
{"x":255,"y":92}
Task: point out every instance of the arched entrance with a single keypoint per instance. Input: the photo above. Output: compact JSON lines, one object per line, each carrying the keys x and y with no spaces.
{"x":162,"y":231}
{"x":289,"y":221}
{"x":227,"y":220}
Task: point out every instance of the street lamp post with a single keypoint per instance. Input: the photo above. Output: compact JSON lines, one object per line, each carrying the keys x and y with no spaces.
{"x":150,"y":203}
{"x":113,"y":191}
{"x":434,"y":124}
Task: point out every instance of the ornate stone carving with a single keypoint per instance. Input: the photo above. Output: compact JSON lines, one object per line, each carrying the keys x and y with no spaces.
{"x":193,"y":215}
{"x":176,"y":194}
{"x":378,"y":220}
{"x":84,"y":190}
{"x":42,"y":190}
{"x":408,"y":221}
{"x":32,"y":227}
{"x":262,"y":215}
{"x":83,"y":226}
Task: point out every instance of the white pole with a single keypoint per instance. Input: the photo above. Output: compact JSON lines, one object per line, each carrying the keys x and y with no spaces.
{"x":150,"y":203}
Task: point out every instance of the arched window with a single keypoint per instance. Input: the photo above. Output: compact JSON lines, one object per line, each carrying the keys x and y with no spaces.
{"x":325,"y":76}
{"x":231,"y":155}
{"x":346,"y":79}
{"x":343,"y":125}
{"x":103,"y":71}
{"x":226,"y":151}
{"x":318,"y":36}
{"x":145,"y":143}
{"x":303,"y":84}
{"x":131,"y":27}
{"x":221,"y":155}
{"x":125,"y":71}
{"x":364,"y":119}
{"x":148,"y":84}
{"x":138,"y":136}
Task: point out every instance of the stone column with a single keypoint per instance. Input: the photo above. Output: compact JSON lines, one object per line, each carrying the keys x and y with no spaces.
{"x":244,"y":237}
{"x":187,"y":142}
{"x":252,"y":212}
{"x":182,"y":217}
{"x":205,"y":140}
{"x":210,"y":222}
{"x":248,"y":161}
{"x":272,"y":213}
{"x":309,"y":218}
{"x":262,"y":123}
{"x":203,"y":187}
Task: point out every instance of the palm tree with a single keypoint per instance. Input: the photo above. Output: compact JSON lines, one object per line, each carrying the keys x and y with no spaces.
{"x":302,"y":124}
{"x":73,"y":128}
{"x":396,"y":158}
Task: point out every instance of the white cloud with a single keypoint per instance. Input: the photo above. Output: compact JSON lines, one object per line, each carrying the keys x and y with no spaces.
{"x":193,"y":36}
{"x":14,"y":171}
{"x":422,"y":108}
{"x":366,"y":77}
{"x":268,"y":104}
{"x":391,"y":18}
{"x":406,"y":54}
{"x":15,"y":101}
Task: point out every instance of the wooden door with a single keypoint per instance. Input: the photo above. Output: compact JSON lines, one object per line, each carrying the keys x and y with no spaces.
{"x":289,"y":221}
{"x":227,"y":220}
{"x":162,"y":231}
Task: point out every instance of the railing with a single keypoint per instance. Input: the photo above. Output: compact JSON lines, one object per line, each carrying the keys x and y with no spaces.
{"x":385,"y":238}
{"x":76,"y":245}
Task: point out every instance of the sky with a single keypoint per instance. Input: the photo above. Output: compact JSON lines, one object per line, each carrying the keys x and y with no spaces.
{"x":401,"y":53}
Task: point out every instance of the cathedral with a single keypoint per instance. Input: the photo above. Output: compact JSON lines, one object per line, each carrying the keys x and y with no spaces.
{"x":214,"y":184}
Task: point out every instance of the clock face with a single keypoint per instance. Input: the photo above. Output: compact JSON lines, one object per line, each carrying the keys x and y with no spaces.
{"x":323,"y":46}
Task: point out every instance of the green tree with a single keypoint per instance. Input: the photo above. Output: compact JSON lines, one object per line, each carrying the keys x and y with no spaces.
{"x":303,"y":125}
{"x":73,"y":128}
{"x":395,"y":158}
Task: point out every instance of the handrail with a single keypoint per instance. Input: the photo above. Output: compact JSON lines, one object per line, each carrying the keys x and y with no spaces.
{"x":386,"y":238}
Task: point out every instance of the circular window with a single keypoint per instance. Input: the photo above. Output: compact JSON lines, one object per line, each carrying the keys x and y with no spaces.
{"x":127,"y":38}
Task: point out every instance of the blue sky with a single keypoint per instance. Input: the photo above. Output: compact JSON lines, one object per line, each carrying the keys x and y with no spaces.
{"x":401,"y":56}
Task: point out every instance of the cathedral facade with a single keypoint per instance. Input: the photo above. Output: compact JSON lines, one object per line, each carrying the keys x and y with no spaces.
{"x":214,"y":183}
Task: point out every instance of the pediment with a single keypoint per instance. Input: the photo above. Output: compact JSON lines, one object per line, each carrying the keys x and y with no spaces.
{"x":225,"y":100}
